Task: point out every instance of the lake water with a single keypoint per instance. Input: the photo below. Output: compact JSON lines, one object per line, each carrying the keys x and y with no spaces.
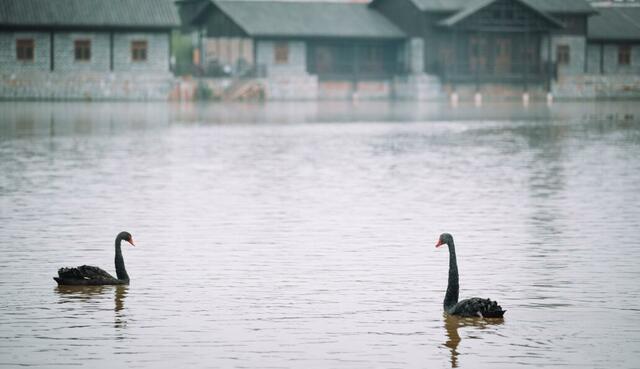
{"x":302,"y":235}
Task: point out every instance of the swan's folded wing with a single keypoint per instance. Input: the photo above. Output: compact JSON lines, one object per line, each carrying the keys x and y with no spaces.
{"x":84,"y":272}
{"x":475,"y":306}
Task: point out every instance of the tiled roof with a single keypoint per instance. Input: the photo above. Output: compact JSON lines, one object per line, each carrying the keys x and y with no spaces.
{"x":309,"y":19}
{"x":615,"y":23}
{"x":89,"y":13}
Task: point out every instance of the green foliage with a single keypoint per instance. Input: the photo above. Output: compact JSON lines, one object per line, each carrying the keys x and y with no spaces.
{"x":181,"y":51}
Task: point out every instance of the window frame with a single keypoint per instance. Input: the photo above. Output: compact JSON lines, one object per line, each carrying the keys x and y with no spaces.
{"x":624,"y":55}
{"x":281,"y":52}
{"x":82,"y":50}
{"x":25,"y":50}
{"x":563,"y":54}
{"x":139,"y":51}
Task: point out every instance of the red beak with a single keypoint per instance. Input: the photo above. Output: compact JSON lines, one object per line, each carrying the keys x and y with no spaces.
{"x":131,"y":241}
{"x":440,"y":243}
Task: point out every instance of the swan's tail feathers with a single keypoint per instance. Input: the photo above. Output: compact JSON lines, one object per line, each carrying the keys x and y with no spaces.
{"x":477,"y":307}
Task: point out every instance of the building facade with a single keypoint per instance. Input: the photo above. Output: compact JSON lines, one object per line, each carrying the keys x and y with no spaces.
{"x":516,"y":45}
{"x":612,"y":58}
{"x":67,"y":49}
{"x":300,"y":50}
{"x":410,"y":48}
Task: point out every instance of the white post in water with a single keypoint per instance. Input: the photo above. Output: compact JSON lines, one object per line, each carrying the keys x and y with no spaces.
{"x":477,"y":99}
{"x":549,"y":98}
{"x":525,"y":99}
{"x":454,"y":99}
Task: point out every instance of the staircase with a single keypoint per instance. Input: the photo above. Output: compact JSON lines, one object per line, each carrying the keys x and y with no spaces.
{"x":244,"y":89}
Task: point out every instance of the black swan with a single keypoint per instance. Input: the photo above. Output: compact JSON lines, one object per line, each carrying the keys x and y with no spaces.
{"x":473,"y":307}
{"x":86,"y":275}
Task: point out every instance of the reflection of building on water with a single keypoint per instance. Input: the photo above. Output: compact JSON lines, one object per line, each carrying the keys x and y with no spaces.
{"x":453,"y":323}
{"x":78,"y":294}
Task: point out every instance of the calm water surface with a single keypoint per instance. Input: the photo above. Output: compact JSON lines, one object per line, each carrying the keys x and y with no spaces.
{"x":301,"y":235}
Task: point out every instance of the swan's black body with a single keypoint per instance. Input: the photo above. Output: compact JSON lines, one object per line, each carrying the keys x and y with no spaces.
{"x":473,"y":307}
{"x":86,"y":275}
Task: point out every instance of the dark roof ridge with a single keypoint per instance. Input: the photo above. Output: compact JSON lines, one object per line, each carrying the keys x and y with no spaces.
{"x":304,"y":2}
{"x":550,"y":6}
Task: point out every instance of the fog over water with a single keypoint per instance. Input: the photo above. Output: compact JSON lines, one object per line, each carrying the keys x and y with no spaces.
{"x":301,"y":235}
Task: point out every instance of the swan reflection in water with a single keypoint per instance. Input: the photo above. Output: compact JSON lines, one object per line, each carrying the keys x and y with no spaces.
{"x":452,"y":323}
{"x":75,"y":294}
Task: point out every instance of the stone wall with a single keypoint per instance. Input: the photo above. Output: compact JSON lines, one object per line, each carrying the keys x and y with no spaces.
{"x":291,"y":87}
{"x":618,"y":86}
{"x":361,"y":90}
{"x":85,"y":86}
{"x":417,"y":87}
{"x":496,"y":92}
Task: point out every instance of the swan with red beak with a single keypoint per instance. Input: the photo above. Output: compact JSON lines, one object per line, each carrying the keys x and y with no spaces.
{"x":472,"y":307}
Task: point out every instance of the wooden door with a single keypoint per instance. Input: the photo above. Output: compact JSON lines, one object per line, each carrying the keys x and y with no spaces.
{"x":477,"y":54}
{"x":323,"y":60}
{"x":502,"y":55}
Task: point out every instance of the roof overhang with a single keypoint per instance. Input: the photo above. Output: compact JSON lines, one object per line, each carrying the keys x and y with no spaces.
{"x":472,"y":9}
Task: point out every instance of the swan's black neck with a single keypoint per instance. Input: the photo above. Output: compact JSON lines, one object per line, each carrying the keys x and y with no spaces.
{"x":121,"y":272}
{"x":451,"y":297}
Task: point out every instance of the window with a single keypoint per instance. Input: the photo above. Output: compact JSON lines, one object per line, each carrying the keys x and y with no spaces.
{"x":139,"y":51}
{"x":82,"y":50}
{"x":24,"y":49}
{"x":281,"y":52}
{"x":562,"y":54}
{"x":624,"y":55}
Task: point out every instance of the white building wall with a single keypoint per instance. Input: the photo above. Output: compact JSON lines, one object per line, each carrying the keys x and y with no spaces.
{"x":297,"y":60}
{"x":157,"y":53}
{"x":85,"y":80}
{"x":577,"y":53}
{"x":42,"y":52}
{"x":603,"y":59}
{"x":64,"y":52}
